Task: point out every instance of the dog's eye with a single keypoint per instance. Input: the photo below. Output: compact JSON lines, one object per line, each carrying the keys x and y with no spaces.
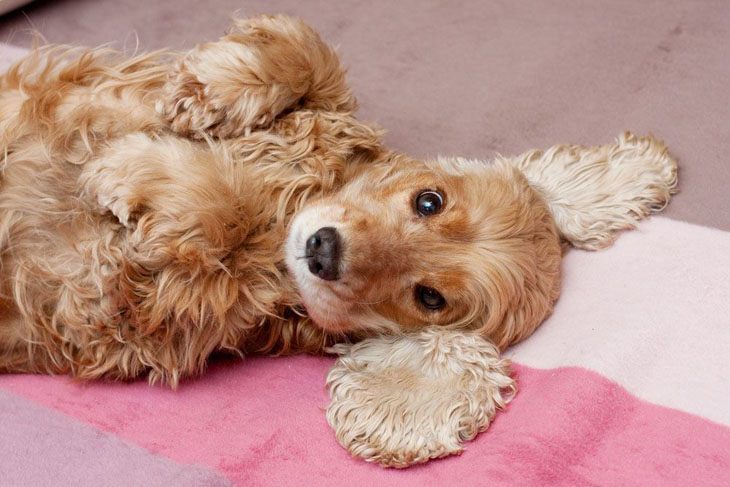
{"x":429,"y":203}
{"x":429,"y":297}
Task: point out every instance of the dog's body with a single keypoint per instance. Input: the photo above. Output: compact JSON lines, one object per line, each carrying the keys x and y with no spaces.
{"x":127,"y":249}
{"x":153,"y":212}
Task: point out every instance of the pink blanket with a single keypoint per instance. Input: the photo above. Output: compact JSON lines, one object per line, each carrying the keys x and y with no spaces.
{"x":627,"y":383}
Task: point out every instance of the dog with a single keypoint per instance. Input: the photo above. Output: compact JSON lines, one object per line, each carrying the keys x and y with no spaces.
{"x":160,"y":208}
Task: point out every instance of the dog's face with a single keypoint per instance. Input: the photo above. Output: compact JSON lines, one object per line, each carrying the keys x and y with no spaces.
{"x":406,"y":244}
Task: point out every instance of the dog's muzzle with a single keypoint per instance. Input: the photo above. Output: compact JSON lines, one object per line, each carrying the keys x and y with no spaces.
{"x":323,"y":251}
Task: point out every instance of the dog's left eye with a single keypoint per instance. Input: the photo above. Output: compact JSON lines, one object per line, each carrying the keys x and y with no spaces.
{"x":429,"y":202}
{"x":430,"y":298}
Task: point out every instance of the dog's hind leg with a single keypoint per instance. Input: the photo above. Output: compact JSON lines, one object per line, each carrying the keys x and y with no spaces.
{"x":14,"y":356}
{"x":262,"y":67}
{"x":21,"y":349}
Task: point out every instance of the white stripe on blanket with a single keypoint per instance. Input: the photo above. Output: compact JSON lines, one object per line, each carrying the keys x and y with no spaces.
{"x":652,"y":313}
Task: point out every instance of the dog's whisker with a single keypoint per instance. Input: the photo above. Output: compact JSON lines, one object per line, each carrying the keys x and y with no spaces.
{"x":370,"y":303}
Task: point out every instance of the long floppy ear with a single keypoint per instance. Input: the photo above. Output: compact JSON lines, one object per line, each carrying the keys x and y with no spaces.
{"x":593,"y":192}
{"x":403,"y":400}
{"x":263,"y":66}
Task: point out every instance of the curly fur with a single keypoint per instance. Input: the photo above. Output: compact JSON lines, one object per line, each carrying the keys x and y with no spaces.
{"x":593,"y":192}
{"x":400,"y":401}
{"x":153,"y":210}
{"x":258,"y":70}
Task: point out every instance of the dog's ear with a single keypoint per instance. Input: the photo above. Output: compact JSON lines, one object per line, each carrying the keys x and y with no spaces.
{"x":262,"y":67}
{"x":594,"y":192}
{"x":403,"y":400}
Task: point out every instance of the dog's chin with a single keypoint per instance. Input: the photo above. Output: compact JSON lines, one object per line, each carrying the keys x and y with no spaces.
{"x":324,"y":307}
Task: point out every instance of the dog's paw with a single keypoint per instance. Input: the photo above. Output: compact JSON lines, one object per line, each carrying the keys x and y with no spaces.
{"x":240,"y":82}
{"x":184,"y":105}
{"x":198,"y":98}
{"x":125,"y":211}
{"x":264,"y":66}
{"x":191,"y":107}
{"x":399,"y":401}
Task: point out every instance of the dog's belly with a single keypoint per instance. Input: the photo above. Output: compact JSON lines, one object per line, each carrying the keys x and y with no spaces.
{"x":56,"y":257}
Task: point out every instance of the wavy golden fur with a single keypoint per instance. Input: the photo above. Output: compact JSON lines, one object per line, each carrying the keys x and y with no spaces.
{"x":154,"y":210}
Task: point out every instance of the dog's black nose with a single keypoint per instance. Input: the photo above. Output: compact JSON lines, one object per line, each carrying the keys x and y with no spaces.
{"x":323,"y":253}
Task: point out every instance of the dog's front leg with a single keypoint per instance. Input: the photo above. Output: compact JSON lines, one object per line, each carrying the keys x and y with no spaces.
{"x":177,"y":274}
{"x":169,"y":177}
{"x":262,"y":67}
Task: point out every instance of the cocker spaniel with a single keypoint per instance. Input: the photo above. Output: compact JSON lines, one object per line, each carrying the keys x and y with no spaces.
{"x":159,"y":208}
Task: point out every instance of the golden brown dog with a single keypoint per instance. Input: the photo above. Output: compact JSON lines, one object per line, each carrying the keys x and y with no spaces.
{"x":159,"y":208}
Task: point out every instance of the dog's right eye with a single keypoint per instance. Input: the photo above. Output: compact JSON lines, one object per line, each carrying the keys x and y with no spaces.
{"x":429,"y":202}
{"x":430,"y":298}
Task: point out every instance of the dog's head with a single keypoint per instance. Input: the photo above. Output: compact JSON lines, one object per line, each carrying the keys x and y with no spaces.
{"x":406,"y":244}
